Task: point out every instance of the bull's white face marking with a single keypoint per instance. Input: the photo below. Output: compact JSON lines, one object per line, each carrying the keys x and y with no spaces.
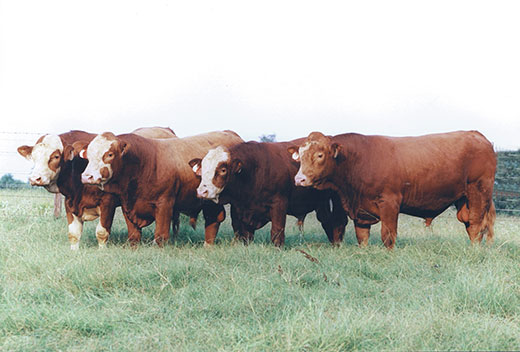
{"x":95,"y":151}
{"x":42,"y":174}
{"x":304,"y":148}
{"x":300,"y":178}
{"x":75,"y":230}
{"x":210,"y":162}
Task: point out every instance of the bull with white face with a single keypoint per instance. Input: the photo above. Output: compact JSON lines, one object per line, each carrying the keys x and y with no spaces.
{"x":104,"y":153}
{"x":214,"y":170}
{"x":58,"y":169}
{"x":256,"y":179}
{"x":47,"y":156}
{"x":152,"y":179}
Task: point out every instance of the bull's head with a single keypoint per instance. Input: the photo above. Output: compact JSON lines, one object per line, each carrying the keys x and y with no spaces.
{"x":105,"y":158}
{"x":317,"y":157}
{"x":48,"y":156}
{"x":215,"y":171}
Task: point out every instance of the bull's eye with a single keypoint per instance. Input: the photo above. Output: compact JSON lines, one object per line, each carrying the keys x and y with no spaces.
{"x":320,"y":155}
{"x":223,"y":171}
{"x":110,"y":155}
{"x":56,"y":157}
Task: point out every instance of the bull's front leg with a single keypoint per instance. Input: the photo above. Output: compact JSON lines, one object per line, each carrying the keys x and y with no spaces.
{"x":134,"y":232}
{"x":106,"y":218}
{"x":163,"y":218}
{"x":214,"y":214}
{"x":242,"y":231}
{"x":389,"y":213}
{"x":75,"y":229}
{"x":278,"y":215}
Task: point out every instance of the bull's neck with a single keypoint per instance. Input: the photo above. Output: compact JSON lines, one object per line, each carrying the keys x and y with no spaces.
{"x":139,"y":163}
{"x":68,"y":182}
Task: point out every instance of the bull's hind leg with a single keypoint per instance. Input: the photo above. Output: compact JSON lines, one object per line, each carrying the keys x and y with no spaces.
{"x":479,"y":205}
{"x":489,"y":220}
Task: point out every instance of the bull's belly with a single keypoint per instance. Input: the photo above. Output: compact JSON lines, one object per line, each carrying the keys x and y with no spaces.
{"x":90,"y":214}
{"x":424,"y":212}
{"x":429,"y":203}
{"x":299,"y":210}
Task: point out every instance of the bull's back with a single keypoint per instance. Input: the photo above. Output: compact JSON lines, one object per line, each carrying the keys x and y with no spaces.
{"x":155,"y":132}
{"x":429,"y":172}
{"x":181,"y":150}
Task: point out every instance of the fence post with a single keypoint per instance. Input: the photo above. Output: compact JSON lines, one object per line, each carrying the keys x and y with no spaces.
{"x":58,"y":200}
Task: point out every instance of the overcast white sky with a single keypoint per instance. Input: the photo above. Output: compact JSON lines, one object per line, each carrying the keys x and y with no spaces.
{"x":285,"y":67}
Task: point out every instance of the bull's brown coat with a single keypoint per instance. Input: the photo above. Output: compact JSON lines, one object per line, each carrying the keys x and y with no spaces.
{"x":378,"y":177}
{"x":153,"y":180}
{"x":258,"y":182}
{"x":80,"y":198}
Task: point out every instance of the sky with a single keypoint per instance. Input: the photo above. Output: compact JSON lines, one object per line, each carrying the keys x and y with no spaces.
{"x":285,"y":67}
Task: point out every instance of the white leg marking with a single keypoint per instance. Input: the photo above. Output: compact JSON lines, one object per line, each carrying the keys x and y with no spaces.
{"x":101,"y":235}
{"x":75,"y":230}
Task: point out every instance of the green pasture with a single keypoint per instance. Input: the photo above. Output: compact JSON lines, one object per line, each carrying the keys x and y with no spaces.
{"x":432,"y":292}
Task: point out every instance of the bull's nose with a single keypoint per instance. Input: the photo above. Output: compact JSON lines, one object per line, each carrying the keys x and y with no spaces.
{"x":87,"y":178}
{"x":36,"y":181}
{"x":300,"y":180}
{"x":202,"y":193}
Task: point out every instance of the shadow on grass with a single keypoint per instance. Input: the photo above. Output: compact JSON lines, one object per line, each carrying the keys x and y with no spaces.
{"x":313,"y":235}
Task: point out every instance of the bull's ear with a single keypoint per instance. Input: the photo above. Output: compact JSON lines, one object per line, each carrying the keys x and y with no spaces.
{"x":68,"y":152}
{"x":236,"y":166}
{"x":80,"y":148}
{"x":196,"y":166}
{"x":294,"y":153}
{"x":125,"y":147}
{"x":336,"y":148}
{"x":25,"y":151}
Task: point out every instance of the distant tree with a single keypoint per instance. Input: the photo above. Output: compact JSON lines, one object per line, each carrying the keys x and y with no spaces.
{"x":268,"y":138}
{"x":8,"y":181}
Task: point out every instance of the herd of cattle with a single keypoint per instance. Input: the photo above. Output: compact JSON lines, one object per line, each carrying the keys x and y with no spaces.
{"x":154,"y":176}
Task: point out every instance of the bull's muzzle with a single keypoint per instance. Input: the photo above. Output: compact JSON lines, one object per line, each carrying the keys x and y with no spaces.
{"x":36,"y":181}
{"x":88,"y":178}
{"x":300,"y":180}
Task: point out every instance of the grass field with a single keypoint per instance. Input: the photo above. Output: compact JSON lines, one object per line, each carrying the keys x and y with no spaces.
{"x":433,"y":292}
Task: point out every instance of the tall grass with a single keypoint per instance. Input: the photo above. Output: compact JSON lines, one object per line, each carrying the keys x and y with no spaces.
{"x":433,"y":292}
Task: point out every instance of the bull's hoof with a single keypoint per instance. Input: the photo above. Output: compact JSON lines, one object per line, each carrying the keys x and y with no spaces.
{"x":74,"y":247}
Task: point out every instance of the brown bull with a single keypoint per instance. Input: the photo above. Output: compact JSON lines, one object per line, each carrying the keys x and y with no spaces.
{"x":378,"y":177}
{"x":256,"y":179}
{"x":153,"y":179}
{"x":56,"y":169}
